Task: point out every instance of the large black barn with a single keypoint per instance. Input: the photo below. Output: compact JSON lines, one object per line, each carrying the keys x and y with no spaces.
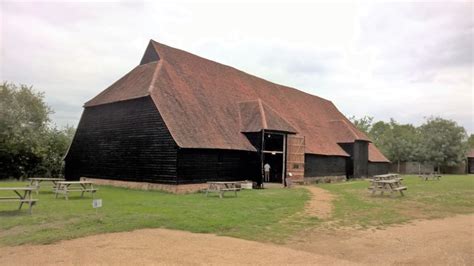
{"x":179,"y":119}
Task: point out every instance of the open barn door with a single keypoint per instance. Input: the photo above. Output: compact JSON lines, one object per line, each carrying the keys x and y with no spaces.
{"x":295,"y":158}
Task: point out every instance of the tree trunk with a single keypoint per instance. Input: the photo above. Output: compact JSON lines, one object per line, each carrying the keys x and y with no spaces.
{"x":398,"y":166}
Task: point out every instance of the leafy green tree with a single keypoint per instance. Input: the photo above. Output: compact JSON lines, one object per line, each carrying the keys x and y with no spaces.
{"x":364,"y":124}
{"x":470,"y":141}
{"x":403,"y":142}
{"x":443,"y":142}
{"x":28,"y":143}
{"x":56,"y":143}
{"x":23,"y":123}
{"x":381,"y":135}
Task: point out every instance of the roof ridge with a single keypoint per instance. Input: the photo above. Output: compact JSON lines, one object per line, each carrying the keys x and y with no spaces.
{"x":158,"y":47}
{"x":155,"y":76}
{"x":277,"y":113}
{"x":262,"y":114}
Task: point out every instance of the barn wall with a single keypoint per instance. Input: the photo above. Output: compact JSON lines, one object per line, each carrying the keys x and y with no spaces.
{"x":124,"y":141}
{"x":378,"y":168}
{"x":357,"y":164}
{"x":201,"y":165}
{"x":470,"y":167}
{"x":319,"y":165}
{"x":361,"y":158}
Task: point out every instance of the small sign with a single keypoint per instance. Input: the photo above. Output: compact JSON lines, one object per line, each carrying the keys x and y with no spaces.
{"x":97,"y":203}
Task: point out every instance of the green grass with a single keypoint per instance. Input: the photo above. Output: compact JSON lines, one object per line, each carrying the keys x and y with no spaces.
{"x":264,"y":215}
{"x":273,"y":215}
{"x":355,"y":207}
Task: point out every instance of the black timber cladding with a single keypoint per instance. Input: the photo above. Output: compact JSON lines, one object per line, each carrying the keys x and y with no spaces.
{"x":125,"y":140}
{"x":320,"y":165}
{"x":201,"y":165}
{"x":357,"y":164}
{"x":378,"y":168}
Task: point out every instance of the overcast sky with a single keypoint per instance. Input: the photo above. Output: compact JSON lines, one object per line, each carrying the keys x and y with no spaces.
{"x":401,"y":60}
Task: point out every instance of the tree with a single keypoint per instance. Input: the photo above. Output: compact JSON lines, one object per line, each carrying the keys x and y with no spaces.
{"x":381,"y":135}
{"x":56,"y":142}
{"x":364,"y":124}
{"x":470,"y":141}
{"x":403,"y":143}
{"x":28,"y":143}
{"x":443,"y":142}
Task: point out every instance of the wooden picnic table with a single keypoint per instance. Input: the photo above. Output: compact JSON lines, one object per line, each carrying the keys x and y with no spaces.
{"x":223,"y":186}
{"x":22,"y":195}
{"x":386,"y":176}
{"x":64,"y":187}
{"x":387,"y":185}
{"x":35,"y":182}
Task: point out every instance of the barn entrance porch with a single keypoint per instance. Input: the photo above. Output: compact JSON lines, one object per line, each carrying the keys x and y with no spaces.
{"x":273,"y":154}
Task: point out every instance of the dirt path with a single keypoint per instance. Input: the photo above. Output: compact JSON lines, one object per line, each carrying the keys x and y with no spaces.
{"x":159,"y":246}
{"x":320,"y":204}
{"x":448,"y":241}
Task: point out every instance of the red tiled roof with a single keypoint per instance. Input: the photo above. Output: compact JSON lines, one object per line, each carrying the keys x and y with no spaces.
{"x":256,"y":116}
{"x":201,"y":103}
{"x":375,"y":155}
{"x":470,"y":154}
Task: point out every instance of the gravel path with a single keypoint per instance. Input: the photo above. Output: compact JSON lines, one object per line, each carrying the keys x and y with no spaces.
{"x":159,"y":246}
{"x":448,"y":241}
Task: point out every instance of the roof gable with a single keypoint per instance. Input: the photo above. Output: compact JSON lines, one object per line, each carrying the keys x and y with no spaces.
{"x":150,"y":55}
{"x":256,"y":116}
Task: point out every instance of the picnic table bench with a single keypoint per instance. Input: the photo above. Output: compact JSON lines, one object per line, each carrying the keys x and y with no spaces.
{"x":64,"y":187}
{"x":391,"y":185}
{"x":428,"y":176}
{"x":22,"y":198}
{"x":387,"y":177}
{"x":35,"y":182}
{"x":223,"y":186}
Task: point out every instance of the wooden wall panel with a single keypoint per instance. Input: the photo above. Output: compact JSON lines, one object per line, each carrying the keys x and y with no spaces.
{"x":361,"y":158}
{"x":295,"y":161}
{"x":319,"y":165}
{"x":378,"y":168}
{"x":201,"y":165}
{"x":125,"y":141}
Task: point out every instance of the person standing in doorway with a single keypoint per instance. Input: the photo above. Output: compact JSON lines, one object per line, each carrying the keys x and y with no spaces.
{"x":267,"y":168}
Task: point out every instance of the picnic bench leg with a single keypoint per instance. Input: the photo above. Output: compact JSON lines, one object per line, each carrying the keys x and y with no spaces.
{"x":221,"y":194}
{"x":207,"y":192}
{"x":235,"y":191}
{"x":31,"y":207}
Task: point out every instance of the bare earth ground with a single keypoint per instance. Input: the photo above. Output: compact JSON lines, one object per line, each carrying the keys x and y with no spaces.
{"x":448,"y":241}
{"x":320,"y":204}
{"x":159,"y":246}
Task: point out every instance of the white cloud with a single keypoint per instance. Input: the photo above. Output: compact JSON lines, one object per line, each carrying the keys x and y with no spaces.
{"x":405,"y":61}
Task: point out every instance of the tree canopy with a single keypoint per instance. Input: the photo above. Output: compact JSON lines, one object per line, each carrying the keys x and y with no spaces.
{"x":29,"y":143}
{"x":439,"y":141}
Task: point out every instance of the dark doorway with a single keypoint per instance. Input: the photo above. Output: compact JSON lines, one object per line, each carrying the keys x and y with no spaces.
{"x":275,"y":160}
{"x":274,"y":154}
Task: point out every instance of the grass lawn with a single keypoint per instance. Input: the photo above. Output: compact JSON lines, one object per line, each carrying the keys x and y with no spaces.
{"x":264,"y":215}
{"x":453,"y":194}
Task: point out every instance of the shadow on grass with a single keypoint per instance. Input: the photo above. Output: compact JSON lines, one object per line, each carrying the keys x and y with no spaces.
{"x":13,"y":213}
